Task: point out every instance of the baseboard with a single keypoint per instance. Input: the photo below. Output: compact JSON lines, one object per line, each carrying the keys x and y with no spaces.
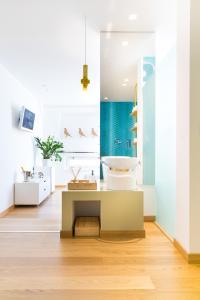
{"x":171,"y":239}
{"x":59,"y":186}
{"x":191,"y":258}
{"x":149,"y":218}
{"x":6,"y":211}
{"x":194,"y":258}
{"x":66,"y":234}
{"x":178,"y":246}
{"x":129,"y":234}
{"x":105,"y":234}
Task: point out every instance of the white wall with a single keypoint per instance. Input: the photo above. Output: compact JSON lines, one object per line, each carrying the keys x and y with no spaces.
{"x":149,"y":200}
{"x":79,"y":109}
{"x":86,"y":117}
{"x":16,"y":145}
{"x":182,"y":124}
{"x":188,"y":126}
{"x":194,"y":126}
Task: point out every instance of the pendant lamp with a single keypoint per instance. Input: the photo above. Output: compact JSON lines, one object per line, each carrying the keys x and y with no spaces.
{"x":85,"y":81}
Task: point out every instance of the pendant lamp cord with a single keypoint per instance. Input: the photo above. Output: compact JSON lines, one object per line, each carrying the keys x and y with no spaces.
{"x":85,"y":41}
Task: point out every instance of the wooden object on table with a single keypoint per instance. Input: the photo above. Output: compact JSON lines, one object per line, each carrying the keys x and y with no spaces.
{"x":75,"y":174}
{"x":87,"y":226}
{"x":82,"y":185}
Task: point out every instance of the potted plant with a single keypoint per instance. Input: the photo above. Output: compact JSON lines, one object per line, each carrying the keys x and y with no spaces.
{"x":50,"y":149}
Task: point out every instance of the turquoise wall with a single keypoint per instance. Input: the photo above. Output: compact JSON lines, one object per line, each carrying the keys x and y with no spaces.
{"x":116,"y":124}
{"x":165,"y":179}
{"x":149,"y":121}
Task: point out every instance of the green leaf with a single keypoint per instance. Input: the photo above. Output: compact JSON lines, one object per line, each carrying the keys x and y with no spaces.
{"x":50,"y":148}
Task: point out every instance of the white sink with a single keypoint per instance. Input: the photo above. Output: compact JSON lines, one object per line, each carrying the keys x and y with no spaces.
{"x":119,"y":172}
{"x":123,"y":162}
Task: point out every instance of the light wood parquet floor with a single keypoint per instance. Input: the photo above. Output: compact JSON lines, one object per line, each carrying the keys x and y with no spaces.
{"x":38,"y":265}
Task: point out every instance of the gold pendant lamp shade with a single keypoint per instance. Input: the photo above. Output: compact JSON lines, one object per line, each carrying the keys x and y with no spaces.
{"x":85,"y":81}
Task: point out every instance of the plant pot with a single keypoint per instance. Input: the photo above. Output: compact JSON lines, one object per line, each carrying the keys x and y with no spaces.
{"x":46,"y":163}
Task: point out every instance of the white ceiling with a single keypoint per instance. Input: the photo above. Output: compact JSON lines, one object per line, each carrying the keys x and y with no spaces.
{"x":38,"y":38}
{"x":119,"y":63}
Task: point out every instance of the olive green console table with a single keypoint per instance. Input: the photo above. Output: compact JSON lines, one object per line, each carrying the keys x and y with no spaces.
{"x":120,"y":212}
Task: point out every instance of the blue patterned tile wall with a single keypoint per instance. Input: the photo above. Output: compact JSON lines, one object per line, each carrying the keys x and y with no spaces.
{"x":116,"y":123}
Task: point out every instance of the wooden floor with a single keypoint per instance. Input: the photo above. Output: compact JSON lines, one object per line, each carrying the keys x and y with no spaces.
{"x":45,"y":217}
{"x":41,"y":266}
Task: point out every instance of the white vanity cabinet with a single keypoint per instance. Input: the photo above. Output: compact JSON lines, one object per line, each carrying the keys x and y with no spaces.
{"x":33,"y":192}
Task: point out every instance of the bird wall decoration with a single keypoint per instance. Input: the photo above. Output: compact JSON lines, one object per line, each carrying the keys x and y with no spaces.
{"x":94,"y":132}
{"x":81,"y":133}
{"x":66,"y":133}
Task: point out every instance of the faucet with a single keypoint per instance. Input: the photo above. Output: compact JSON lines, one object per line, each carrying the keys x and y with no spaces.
{"x":128,"y":143}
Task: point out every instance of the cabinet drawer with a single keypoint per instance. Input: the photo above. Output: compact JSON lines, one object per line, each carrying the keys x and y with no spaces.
{"x":26,"y":193}
{"x":44,"y":189}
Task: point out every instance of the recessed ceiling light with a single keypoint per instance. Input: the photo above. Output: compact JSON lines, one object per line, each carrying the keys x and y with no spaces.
{"x":126,"y":80}
{"x":132,"y":17}
{"x":124,"y":84}
{"x":105,"y":98}
{"x":125,"y":43}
